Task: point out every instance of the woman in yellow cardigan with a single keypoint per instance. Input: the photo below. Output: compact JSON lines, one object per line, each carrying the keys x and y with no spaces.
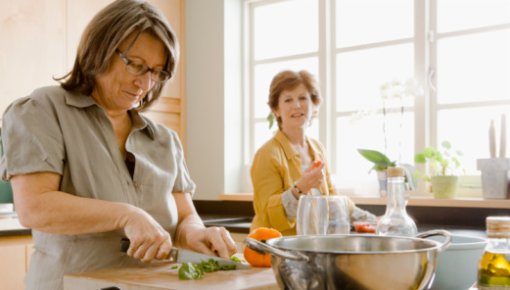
{"x":282,"y":168}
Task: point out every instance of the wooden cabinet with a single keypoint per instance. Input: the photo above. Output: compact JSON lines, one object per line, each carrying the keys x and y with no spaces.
{"x":14,"y":258}
{"x":43,"y":36}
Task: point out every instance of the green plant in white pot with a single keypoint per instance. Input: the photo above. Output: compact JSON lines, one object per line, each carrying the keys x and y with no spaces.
{"x":444,"y":165}
{"x":381,"y":162}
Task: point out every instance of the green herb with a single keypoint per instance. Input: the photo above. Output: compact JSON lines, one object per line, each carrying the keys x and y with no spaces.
{"x":236,"y":259}
{"x":192,"y":271}
{"x":174,"y":267}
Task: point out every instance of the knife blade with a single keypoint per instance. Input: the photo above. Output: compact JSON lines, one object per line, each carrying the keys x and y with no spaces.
{"x":178,"y":255}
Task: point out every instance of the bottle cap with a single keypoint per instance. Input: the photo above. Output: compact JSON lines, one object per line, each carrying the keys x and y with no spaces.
{"x":395,"y":172}
{"x":498,"y":226}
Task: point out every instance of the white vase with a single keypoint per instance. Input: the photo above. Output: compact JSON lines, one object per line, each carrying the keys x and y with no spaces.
{"x":382,"y":178}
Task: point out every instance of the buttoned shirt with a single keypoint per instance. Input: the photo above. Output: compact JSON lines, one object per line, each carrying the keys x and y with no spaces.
{"x":69,"y":134}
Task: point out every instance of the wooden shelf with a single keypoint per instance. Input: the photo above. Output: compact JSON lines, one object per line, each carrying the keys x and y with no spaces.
{"x":466,"y":202}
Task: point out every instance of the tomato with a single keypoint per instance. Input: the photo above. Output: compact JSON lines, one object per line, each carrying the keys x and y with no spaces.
{"x":317,"y":163}
{"x":364,"y":228}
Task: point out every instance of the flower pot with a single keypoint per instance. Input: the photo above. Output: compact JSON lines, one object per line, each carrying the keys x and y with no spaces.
{"x":381,"y":178}
{"x":444,"y":186}
{"x":495,"y":177}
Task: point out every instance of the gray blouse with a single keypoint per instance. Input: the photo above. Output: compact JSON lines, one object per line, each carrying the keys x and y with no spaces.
{"x":56,"y":131}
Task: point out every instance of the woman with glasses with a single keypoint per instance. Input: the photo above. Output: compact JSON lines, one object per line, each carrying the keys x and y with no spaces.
{"x":87,"y":169}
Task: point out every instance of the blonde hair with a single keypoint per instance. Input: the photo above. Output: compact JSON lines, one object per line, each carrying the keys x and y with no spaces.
{"x":106,"y":31}
{"x":289,"y":80}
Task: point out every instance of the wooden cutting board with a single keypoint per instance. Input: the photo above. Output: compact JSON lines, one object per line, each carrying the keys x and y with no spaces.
{"x":160,"y":277}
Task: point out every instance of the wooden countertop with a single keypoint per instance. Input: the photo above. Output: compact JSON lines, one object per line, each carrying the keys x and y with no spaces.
{"x":414,"y":200}
{"x":159,"y":277}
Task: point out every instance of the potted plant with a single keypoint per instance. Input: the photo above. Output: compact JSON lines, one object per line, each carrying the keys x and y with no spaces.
{"x":444,"y":165}
{"x":381,"y":163}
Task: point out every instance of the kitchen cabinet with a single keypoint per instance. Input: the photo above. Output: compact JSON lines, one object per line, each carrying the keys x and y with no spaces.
{"x":43,"y":38}
{"x":14,"y":259}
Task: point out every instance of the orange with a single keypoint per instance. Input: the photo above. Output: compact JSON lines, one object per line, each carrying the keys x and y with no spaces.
{"x":255,"y":258}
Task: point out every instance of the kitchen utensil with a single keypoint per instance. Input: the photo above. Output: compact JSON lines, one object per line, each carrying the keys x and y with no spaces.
{"x":311,"y":217}
{"x":178,"y":255}
{"x":457,"y":266}
{"x":323,"y":214}
{"x":354,"y":261}
{"x":502,"y":140}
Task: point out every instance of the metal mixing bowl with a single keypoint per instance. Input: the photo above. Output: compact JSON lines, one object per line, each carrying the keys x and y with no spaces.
{"x":354,"y":262}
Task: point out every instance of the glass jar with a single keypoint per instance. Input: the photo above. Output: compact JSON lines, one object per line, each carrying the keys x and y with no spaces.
{"x":494,"y":266}
{"x":396,"y":221}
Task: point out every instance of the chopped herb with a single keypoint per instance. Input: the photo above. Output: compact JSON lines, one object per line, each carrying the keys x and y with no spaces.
{"x":236,"y":259}
{"x":192,"y":271}
{"x":174,"y":267}
{"x":189,"y":271}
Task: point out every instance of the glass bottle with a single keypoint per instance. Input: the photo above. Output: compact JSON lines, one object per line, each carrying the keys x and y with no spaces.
{"x":494,"y":266}
{"x":396,"y":221}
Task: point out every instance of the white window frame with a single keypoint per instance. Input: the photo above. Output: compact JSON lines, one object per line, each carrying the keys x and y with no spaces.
{"x":425,"y":40}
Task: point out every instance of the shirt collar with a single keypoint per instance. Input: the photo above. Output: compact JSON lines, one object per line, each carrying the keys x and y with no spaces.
{"x":140,"y":124}
{"x":82,"y":101}
{"x":289,"y":150}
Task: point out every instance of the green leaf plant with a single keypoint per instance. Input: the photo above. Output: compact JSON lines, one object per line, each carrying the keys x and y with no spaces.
{"x":381,"y":162}
{"x":442,"y":162}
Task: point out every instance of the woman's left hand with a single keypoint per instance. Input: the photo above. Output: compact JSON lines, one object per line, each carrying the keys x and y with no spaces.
{"x":215,"y":241}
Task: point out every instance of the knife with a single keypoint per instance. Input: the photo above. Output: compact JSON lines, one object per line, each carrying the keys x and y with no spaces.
{"x":178,"y":255}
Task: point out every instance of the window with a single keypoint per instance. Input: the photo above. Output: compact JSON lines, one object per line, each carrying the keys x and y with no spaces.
{"x":458,"y":52}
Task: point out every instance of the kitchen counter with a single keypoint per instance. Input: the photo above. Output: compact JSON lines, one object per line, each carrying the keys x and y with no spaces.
{"x":10,"y":226}
{"x":159,"y":277}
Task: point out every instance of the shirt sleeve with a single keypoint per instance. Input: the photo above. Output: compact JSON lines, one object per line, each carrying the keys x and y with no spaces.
{"x":183,"y":181}
{"x":32,"y":139}
{"x":290,"y":203}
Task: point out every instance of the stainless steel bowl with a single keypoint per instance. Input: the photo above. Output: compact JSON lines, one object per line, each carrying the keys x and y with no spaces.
{"x":342,"y":262}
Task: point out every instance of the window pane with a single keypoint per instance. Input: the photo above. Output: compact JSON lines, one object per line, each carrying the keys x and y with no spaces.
{"x":465,"y":14}
{"x":262,"y":134}
{"x":473,"y":142}
{"x":367,"y":21}
{"x":474,"y":68}
{"x":369,"y":133}
{"x":360,"y":74}
{"x":264,"y":73}
{"x":285,"y":28}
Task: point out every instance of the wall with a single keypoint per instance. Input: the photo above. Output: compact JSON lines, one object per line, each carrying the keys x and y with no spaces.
{"x":214,"y":96}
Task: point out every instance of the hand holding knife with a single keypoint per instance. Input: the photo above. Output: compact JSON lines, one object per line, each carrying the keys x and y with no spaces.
{"x":178,"y":255}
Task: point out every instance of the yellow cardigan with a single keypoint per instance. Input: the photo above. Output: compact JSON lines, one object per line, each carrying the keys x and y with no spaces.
{"x":275,"y":168}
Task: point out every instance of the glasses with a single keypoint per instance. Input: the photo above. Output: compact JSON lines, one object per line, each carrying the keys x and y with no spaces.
{"x":139,"y":68}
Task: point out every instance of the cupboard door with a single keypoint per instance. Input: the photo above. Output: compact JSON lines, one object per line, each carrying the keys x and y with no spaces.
{"x":33,"y":46}
{"x":12,"y":267}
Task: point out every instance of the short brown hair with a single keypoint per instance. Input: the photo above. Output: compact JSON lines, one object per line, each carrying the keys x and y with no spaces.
{"x":102,"y":36}
{"x":288,"y":80}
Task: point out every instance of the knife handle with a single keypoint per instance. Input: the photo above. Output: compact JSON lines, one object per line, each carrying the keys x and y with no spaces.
{"x":124,"y":245}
